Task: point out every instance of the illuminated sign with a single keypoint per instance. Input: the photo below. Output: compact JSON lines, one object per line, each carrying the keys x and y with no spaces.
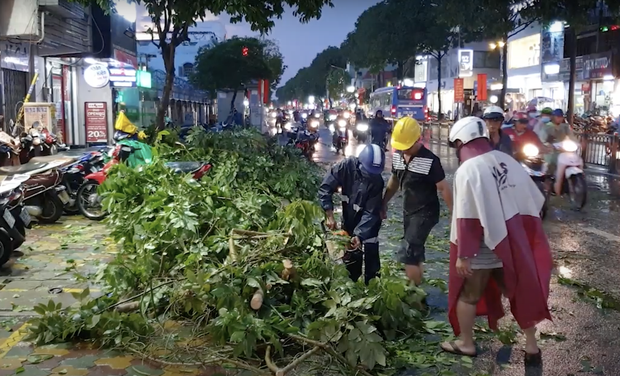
{"x":466,"y":63}
{"x":97,"y":75}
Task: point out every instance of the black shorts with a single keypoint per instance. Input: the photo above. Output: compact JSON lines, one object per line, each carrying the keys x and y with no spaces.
{"x":417,"y":230}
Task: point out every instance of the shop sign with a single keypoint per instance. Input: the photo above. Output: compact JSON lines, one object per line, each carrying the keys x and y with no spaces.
{"x":144,"y":79}
{"x":97,"y":75}
{"x":125,"y":58}
{"x":39,"y":116}
{"x":482,"y":87}
{"x":552,"y":46}
{"x":14,"y":56}
{"x":123,"y":77}
{"x":459,"y":92}
{"x":96,"y":116}
{"x":596,"y":66}
{"x":466,"y":63}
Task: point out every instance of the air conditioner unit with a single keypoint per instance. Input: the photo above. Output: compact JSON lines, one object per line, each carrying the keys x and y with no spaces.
{"x":63,"y":8}
{"x":19,"y":19}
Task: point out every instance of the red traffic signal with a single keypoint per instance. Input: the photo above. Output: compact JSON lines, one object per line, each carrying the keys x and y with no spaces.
{"x":244,"y":51}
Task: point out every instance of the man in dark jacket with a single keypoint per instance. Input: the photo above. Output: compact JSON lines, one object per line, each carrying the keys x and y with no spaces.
{"x":361,"y":184}
{"x":379,"y":128}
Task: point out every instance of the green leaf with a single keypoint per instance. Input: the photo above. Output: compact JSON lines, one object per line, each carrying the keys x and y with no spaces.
{"x":311,"y":282}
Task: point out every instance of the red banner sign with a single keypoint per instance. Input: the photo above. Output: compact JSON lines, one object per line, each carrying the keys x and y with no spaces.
{"x":482,"y":87}
{"x":96,"y":116}
{"x":126,"y":58}
{"x":263,"y":91}
{"x":459,"y":92}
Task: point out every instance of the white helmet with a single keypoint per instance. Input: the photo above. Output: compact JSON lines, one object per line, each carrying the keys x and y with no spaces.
{"x":468,"y":129}
{"x":493,"y":112}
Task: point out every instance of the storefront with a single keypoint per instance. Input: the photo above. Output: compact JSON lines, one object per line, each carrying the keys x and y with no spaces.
{"x":14,"y":79}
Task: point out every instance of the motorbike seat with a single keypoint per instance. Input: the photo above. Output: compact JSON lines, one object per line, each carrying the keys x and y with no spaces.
{"x":52,"y":158}
{"x":23,"y":169}
{"x":185,"y":167}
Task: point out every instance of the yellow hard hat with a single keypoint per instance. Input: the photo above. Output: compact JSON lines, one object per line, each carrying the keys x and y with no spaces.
{"x":406,"y":133}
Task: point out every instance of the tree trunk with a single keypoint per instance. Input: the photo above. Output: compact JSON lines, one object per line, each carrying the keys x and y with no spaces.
{"x":572,"y":40}
{"x":439,"y":115}
{"x":168,"y":51}
{"x":502,"y":95}
{"x":399,"y":72}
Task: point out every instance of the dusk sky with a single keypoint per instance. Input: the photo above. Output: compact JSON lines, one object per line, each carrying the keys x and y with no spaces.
{"x":299,"y":43}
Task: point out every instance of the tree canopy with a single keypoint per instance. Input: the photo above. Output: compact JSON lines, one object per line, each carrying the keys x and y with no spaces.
{"x":237,"y":62}
{"x":172,"y":20}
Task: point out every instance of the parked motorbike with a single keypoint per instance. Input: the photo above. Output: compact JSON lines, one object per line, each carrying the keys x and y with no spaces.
{"x":534,"y":164}
{"x":15,"y":219}
{"x":339,"y":135}
{"x":44,"y":195}
{"x":89,"y":201}
{"x":75,"y":175}
{"x":302,"y":140}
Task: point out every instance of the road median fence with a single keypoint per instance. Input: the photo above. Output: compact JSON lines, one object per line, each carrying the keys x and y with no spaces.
{"x":597,"y":149}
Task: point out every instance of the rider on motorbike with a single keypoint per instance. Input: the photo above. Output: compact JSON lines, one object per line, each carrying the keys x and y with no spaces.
{"x":379,"y":128}
{"x":494,"y":117}
{"x":557,"y":130}
{"x":521,"y":135}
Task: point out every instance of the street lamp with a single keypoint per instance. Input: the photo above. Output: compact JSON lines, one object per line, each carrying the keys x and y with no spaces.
{"x":350,"y":89}
{"x":311,"y":99}
{"x":494,"y":45}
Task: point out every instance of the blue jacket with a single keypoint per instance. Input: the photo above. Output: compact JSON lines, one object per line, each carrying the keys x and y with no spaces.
{"x":504,"y":144}
{"x":378,"y":129}
{"x":362,"y":197}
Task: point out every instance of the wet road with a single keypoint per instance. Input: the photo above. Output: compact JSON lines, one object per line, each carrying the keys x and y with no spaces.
{"x":580,"y":341}
{"x":586,"y":245}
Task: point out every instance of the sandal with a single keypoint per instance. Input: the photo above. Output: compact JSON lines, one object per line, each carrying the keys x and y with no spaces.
{"x":456,"y":350}
{"x":533,"y":360}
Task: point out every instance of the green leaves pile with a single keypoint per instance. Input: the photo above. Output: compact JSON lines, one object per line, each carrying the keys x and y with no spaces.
{"x":240,"y":258}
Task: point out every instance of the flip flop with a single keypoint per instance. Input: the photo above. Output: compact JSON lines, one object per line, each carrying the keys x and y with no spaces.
{"x":456,"y":350}
{"x":533,"y":360}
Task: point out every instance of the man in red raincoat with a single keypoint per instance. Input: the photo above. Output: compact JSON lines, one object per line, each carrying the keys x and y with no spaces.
{"x":497,"y":244}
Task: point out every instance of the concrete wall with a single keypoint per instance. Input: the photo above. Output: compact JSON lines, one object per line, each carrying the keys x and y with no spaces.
{"x":19,"y":18}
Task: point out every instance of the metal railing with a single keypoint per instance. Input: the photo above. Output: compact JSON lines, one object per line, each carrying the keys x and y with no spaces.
{"x":597,"y":149}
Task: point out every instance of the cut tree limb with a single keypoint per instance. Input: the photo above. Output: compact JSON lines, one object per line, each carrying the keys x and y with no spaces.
{"x":292,"y":365}
{"x":257,"y":299}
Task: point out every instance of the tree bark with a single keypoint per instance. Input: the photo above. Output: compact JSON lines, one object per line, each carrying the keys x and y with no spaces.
{"x":232,"y":106}
{"x":439,"y":57}
{"x":572,"y":35}
{"x":168,"y":52}
{"x":504,"y":55}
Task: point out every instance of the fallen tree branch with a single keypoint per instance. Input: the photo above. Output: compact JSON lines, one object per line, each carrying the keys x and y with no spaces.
{"x":203,"y":363}
{"x":232,"y":251}
{"x":141,"y":294}
{"x":292,"y":365}
{"x":328,"y":349}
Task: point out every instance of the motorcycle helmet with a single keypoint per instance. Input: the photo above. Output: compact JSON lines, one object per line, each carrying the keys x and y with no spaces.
{"x":372,"y":159}
{"x":493,"y":113}
{"x":467,"y":129}
{"x":406,"y":133}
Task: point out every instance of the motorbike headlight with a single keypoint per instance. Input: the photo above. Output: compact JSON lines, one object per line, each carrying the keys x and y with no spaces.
{"x":314,"y":124}
{"x":317,"y":115}
{"x":288,"y":126}
{"x":347,"y":115}
{"x":569,"y":146}
{"x":342,"y":123}
{"x":273,"y":114}
{"x":332,"y":117}
{"x":530,"y":150}
{"x":362,"y":127}
{"x":332,"y":128}
{"x":304,"y":115}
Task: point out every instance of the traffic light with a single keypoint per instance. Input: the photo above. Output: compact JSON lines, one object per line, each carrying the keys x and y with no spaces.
{"x":244,"y":51}
{"x":608,"y":28}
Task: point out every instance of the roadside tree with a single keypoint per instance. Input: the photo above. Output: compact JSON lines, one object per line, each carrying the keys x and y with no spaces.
{"x":235,"y":63}
{"x":172,"y":20}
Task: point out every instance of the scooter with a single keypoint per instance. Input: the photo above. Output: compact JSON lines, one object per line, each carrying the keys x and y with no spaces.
{"x":75,"y":175}
{"x":361,"y":131}
{"x":534,"y":164}
{"x":89,"y":201}
{"x":302,"y":140}
{"x":573,"y":179}
{"x":339,"y":135}
{"x":44,"y":195}
{"x":14,"y":219}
